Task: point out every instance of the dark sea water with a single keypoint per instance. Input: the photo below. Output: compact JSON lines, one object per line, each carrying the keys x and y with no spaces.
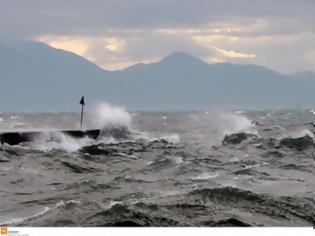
{"x":209,"y":168}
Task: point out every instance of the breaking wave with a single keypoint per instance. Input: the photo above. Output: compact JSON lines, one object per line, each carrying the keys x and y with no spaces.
{"x":299,"y":143}
{"x":172,"y":138}
{"x":300,"y":133}
{"x":47,"y":141}
{"x":114,"y":123}
{"x":230,"y":123}
{"x":222,"y":123}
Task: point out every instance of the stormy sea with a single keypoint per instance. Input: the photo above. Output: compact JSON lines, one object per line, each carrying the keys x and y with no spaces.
{"x":202,"y":168}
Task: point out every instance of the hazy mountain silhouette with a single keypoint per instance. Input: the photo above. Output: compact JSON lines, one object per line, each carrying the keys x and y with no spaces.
{"x":183,"y":81}
{"x":305,"y":77}
{"x":35,"y":76}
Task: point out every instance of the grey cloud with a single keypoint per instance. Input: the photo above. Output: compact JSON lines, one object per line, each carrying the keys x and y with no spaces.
{"x":161,"y":45}
{"x":37,"y":17}
{"x":137,"y":22}
{"x":147,"y":46}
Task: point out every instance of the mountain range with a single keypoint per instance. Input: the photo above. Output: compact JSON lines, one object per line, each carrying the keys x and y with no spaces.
{"x":37,"y":77}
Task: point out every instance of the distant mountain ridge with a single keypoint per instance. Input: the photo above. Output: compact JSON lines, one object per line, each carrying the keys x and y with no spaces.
{"x":37,"y":77}
{"x":305,"y":77}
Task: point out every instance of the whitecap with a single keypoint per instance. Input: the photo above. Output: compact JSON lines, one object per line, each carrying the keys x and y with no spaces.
{"x":74,"y":201}
{"x":173,"y":138}
{"x":176,"y":159}
{"x":47,"y":141}
{"x":205,"y":176}
{"x":112,"y":203}
{"x":301,"y":133}
{"x":239,"y":112}
{"x":126,"y":155}
{"x":230,"y":123}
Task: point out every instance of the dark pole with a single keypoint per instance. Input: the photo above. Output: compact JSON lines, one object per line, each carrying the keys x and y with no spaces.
{"x":82,"y":102}
{"x":81,"y":117}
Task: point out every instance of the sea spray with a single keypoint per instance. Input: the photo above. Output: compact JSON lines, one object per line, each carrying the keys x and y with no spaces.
{"x":47,"y":141}
{"x":114,"y":123}
{"x":222,"y":123}
{"x":235,"y":123}
{"x":104,"y":115}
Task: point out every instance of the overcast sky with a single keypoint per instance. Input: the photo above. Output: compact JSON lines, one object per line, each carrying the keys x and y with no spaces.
{"x":279,"y":34}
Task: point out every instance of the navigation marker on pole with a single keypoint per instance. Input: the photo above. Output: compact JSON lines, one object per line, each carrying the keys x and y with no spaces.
{"x":82,"y":102}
